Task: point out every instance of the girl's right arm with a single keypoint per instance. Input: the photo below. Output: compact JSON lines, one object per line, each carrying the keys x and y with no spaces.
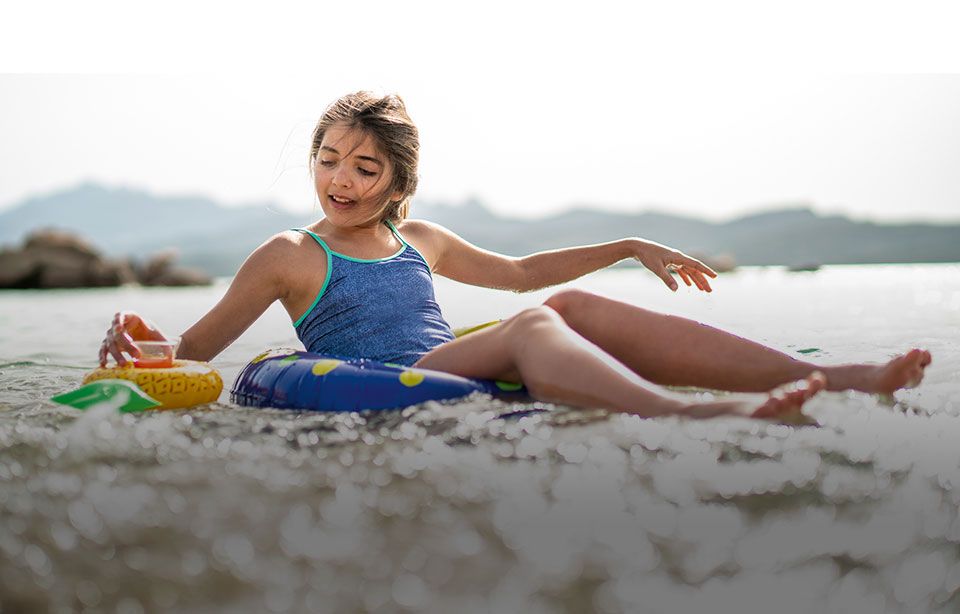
{"x":262,"y":279}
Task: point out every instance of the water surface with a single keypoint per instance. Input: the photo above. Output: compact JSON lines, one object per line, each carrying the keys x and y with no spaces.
{"x":458,"y":508}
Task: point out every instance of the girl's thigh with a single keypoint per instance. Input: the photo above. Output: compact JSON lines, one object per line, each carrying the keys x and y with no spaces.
{"x":484,"y":354}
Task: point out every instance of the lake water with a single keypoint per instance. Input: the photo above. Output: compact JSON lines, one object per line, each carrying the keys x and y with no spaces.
{"x":451,"y":508}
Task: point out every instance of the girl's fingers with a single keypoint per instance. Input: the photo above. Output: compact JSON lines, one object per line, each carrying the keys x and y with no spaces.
{"x":696,"y":275}
{"x":693,"y":263}
{"x":667,"y":278}
{"x":702,"y":281}
{"x":141,"y":328}
{"x":133,"y":324}
{"x":690,"y":277}
{"x":125,"y":343}
{"x":692,"y":270}
{"x":696,"y":264}
{"x":117,"y":356}
{"x":125,"y":327}
{"x":113,"y":340}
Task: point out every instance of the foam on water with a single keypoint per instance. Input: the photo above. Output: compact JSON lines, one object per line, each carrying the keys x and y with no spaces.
{"x":455,"y":508}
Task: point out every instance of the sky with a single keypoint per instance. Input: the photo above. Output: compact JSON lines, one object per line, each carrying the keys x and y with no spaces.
{"x":711,"y":110}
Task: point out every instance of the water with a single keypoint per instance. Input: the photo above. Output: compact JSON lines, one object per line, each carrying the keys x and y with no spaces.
{"x":450,"y":507}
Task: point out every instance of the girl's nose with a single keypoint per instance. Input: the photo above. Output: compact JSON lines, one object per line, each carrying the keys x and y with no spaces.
{"x":341,"y":178}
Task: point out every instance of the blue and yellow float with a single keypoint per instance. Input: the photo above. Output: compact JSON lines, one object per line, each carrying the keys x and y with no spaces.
{"x":283,"y":379}
{"x":295,"y":379}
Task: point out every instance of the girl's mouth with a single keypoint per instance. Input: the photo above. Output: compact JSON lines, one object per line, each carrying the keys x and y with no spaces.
{"x":341,"y":201}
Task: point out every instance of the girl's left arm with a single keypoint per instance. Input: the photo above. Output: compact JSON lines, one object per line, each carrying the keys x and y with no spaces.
{"x":462,"y":261}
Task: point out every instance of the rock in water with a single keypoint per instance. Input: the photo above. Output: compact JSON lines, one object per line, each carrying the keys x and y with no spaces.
{"x":53,"y":258}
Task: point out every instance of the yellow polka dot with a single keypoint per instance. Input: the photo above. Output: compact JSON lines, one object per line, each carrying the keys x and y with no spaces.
{"x":411,"y":378}
{"x":322,"y":367}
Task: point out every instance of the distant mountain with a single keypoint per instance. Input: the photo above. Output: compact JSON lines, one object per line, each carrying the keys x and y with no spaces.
{"x":125,"y":222}
{"x":216,"y":238}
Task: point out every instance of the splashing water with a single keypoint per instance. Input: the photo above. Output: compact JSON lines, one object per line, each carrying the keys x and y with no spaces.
{"x":482,"y":506}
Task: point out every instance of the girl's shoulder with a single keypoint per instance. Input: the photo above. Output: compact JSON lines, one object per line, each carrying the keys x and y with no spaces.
{"x":416,"y":225}
{"x":425,"y":236}
{"x":292,"y":272}
{"x":287,"y":242}
{"x":421,"y":229}
{"x":282,"y":250}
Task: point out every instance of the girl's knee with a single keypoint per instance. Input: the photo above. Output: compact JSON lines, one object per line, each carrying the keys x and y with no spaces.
{"x":535,"y":317}
{"x":565,"y":300}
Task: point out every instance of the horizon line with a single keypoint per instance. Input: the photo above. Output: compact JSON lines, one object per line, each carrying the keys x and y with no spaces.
{"x":473,"y":200}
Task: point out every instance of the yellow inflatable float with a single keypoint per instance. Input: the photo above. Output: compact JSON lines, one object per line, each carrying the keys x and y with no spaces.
{"x":185,"y":383}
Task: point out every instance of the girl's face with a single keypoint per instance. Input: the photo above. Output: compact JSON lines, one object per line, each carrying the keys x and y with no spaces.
{"x":351,"y":177}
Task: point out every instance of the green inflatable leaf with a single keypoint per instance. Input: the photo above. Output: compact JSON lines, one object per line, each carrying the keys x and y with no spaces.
{"x":122,"y":394}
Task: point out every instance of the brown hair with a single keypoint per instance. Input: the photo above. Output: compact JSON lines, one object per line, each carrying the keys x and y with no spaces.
{"x":386,"y":121}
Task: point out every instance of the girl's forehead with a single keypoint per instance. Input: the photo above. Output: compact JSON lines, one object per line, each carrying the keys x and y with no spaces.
{"x":348,"y":139}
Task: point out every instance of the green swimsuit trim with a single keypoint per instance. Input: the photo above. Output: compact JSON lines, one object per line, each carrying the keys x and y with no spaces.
{"x":330,"y":253}
{"x":326,"y":280}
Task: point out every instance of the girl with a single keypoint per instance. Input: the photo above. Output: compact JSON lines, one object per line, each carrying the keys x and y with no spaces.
{"x":358,"y":283}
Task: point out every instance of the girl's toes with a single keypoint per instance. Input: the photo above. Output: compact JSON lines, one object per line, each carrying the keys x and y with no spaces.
{"x":767,"y":410}
{"x":816,"y":382}
{"x":788,"y":400}
{"x":916,"y":376}
{"x":800,"y":397}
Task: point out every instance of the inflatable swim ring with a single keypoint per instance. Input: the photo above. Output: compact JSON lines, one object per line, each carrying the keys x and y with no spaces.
{"x":186,"y":383}
{"x":290,"y":379}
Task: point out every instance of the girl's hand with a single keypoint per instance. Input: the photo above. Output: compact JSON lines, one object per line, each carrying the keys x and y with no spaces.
{"x":126,"y":328}
{"x":661,"y":260}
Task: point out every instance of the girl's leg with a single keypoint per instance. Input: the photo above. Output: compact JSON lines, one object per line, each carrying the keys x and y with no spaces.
{"x":671,"y":350}
{"x":556,"y":364}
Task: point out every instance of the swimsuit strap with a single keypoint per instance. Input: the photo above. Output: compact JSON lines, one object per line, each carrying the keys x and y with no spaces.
{"x":326,"y":280}
{"x":396,"y":232}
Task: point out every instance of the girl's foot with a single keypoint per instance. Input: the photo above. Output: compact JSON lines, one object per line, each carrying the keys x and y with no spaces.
{"x":786,"y":401}
{"x":904,"y":371}
{"x":782,"y":404}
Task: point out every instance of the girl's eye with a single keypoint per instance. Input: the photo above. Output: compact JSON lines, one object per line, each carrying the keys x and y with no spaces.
{"x":365,"y":172}
{"x":327,"y":163}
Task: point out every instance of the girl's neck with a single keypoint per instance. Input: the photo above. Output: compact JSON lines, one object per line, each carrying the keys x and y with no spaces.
{"x":375,"y":231}
{"x":365,"y":242}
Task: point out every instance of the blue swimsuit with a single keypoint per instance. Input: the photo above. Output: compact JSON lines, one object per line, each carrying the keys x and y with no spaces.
{"x":382,"y":309}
